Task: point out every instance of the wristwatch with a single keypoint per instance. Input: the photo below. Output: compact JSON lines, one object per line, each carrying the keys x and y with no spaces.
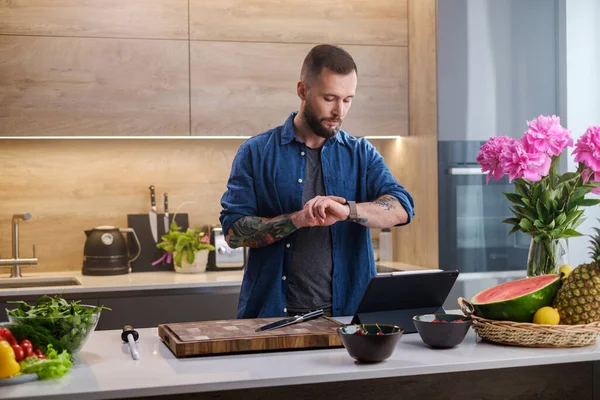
{"x":353,"y":216}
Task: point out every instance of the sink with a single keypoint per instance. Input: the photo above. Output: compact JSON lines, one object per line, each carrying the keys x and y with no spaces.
{"x":13,"y":283}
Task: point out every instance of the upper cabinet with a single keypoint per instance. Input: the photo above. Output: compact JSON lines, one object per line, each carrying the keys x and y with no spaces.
{"x":362,"y":22}
{"x":246,"y":58}
{"x":191,"y":67}
{"x":134,"y":19}
{"x":247,"y":88}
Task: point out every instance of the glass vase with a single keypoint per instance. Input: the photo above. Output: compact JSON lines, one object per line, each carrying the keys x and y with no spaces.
{"x":546,"y":257}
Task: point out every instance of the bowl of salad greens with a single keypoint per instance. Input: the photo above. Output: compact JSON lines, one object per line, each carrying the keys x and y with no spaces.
{"x":70,"y":323}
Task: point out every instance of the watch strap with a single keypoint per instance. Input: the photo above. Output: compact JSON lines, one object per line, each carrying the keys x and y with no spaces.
{"x":353,"y":216}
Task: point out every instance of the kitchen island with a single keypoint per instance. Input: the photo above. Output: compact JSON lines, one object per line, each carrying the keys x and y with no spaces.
{"x":473,"y":370}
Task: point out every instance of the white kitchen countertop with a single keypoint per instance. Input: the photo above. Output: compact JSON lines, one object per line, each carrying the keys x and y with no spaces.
{"x":106,"y":369}
{"x":141,"y":281}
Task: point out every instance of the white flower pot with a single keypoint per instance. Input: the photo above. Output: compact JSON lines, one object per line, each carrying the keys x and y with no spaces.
{"x":198,"y":266}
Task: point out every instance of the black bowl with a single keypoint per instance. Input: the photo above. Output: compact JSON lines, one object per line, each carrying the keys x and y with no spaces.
{"x":370,"y":343}
{"x":442,"y":331}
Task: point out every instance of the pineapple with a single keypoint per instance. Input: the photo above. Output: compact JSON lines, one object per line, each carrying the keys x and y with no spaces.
{"x":578,"y":300}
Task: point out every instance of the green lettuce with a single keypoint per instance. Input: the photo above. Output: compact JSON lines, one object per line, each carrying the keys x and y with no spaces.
{"x":54,"y":366}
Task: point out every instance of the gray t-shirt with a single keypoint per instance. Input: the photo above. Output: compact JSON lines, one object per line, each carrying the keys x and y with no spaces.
{"x":311,"y":267}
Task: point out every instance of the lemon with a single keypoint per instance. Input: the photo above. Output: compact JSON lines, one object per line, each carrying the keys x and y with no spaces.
{"x":547,"y":316}
{"x":565,"y":270}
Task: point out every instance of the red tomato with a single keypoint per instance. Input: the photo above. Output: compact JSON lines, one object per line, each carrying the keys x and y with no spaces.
{"x":19,"y":353}
{"x":41,"y":357}
{"x":26,"y":344}
{"x":38,"y":352}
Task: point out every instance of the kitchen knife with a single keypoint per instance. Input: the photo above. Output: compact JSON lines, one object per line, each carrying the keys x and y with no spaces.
{"x":290,"y":321}
{"x":153,"y":216}
{"x":166,"y":217}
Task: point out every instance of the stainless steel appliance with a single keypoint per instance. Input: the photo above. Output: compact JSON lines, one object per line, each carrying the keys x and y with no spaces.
{"x":224,"y":257}
{"x":472,"y":236}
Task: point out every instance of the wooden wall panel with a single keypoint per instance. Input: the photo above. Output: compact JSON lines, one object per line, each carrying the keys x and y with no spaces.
{"x":415,"y":157}
{"x":247,"y":88}
{"x":74,"y":86}
{"x":69,"y":185}
{"x":163,"y":19}
{"x":365,"y":22}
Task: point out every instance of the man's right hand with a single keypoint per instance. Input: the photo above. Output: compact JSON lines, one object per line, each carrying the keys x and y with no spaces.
{"x":321,"y":211}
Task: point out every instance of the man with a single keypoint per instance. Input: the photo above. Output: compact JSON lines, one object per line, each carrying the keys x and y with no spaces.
{"x":302,"y":197}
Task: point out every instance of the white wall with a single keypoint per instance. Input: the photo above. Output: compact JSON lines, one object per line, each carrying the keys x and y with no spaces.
{"x":580,"y":95}
{"x":496,"y":66}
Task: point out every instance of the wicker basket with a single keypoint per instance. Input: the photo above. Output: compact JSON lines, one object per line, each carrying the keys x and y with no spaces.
{"x":531,"y":335}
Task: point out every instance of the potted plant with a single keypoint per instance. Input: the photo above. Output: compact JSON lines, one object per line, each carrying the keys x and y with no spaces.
{"x":188,"y":249}
{"x":546,"y":205}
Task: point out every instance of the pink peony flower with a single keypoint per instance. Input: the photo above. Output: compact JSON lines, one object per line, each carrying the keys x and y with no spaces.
{"x":546,"y":135}
{"x":489,"y":157}
{"x":587,"y":148}
{"x":517,"y":162}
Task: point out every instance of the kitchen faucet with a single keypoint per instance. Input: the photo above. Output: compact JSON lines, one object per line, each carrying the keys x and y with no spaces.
{"x":15,"y":262}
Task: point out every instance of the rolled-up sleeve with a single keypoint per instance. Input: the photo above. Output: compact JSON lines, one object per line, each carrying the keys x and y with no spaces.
{"x":239,"y":200}
{"x":380,"y":181}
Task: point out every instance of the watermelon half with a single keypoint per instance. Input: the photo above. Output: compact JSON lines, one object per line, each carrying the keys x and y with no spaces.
{"x":516,"y":300}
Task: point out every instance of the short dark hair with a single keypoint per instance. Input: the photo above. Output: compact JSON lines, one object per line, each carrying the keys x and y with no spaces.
{"x":327,"y":56}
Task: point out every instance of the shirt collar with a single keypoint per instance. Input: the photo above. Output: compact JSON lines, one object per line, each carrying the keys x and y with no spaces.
{"x":288,"y":133}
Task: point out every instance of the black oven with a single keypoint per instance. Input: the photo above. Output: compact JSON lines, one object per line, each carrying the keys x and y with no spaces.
{"x":472,"y":236}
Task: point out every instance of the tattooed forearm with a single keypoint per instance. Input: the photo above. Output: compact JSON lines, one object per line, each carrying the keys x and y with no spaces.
{"x":387,"y":202}
{"x":259,"y":232}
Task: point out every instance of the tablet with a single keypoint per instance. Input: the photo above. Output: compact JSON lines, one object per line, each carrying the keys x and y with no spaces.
{"x":393,"y":299}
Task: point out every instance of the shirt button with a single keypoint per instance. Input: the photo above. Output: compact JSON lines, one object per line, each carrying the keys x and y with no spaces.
{"x":302,"y":153}
{"x":283,"y":278}
{"x":287,"y":245}
{"x":285,"y":310}
{"x":299,"y":180}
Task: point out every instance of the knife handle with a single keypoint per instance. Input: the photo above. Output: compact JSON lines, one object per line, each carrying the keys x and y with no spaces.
{"x":312,"y":314}
{"x":166,"y":204}
{"x":152,"y":196}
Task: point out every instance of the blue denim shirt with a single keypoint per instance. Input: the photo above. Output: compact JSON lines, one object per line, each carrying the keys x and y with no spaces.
{"x":266,"y":181}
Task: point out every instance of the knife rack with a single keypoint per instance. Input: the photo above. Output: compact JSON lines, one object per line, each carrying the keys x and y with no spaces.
{"x":149,"y":252}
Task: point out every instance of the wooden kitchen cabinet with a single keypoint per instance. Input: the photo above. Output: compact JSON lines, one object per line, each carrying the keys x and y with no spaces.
{"x":65,"y":86}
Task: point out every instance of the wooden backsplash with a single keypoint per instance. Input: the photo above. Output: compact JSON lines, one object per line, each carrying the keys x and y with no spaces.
{"x":71,"y":185}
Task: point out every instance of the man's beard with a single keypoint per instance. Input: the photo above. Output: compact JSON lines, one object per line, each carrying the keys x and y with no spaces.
{"x":315,"y":124}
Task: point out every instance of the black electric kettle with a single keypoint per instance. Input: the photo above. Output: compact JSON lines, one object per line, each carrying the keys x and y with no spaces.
{"x":105,"y":251}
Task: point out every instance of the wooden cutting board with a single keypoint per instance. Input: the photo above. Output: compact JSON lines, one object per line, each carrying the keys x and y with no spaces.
{"x":237,"y":336}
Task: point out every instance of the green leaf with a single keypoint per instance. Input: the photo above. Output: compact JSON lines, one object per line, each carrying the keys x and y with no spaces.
{"x":191,"y":256}
{"x":177,"y":258}
{"x":514,"y":229}
{"x":513,"y":221}
{"x":525,"y":224}
{"x":588,"y":202}
{"x":567,"y":233}
{"x":560,"y":219}
{"x":515,"y":198}
{"x":538,"y":224}
{"x":567,"y":176}
{"x":542,"y":212}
